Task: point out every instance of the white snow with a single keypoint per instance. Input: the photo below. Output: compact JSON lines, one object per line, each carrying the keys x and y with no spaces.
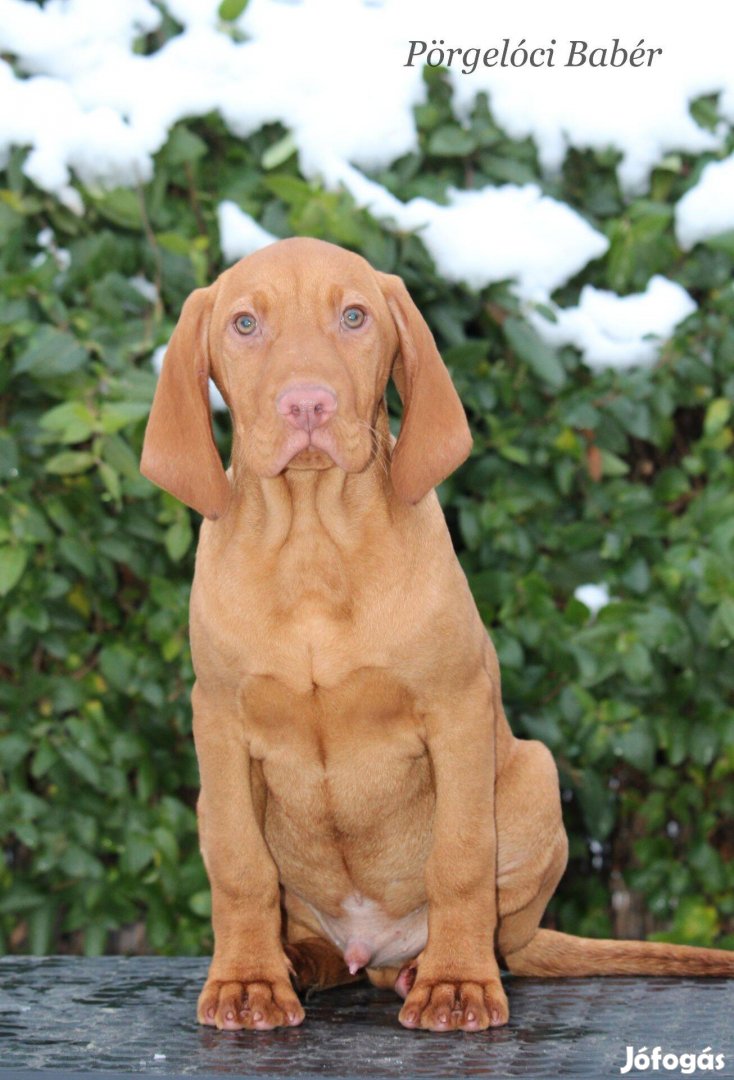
{"x":595,"y":597}
{"x":239,"y":233}
{"x":90,"y":108}
{"x":506,"y":233}
{"x":618,"y":331}
{"x":46,"y":240}
{"x":481,"y":236}
{"x":707,"y":209}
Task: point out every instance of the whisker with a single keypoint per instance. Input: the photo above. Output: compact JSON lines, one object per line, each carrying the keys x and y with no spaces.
{"x":380,"y":444}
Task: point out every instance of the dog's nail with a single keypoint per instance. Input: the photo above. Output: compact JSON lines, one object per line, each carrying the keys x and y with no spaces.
{"x":496,"y":1018}
{"x":229,"y":1016}
{"x":470,"y":1017}
{"x":257,"y":1016}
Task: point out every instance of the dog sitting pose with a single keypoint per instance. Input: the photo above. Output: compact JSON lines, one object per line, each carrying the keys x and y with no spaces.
{"x":364,"y":804}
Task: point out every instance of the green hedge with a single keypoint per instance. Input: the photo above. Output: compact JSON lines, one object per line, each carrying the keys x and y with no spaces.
{"x":575,"y":477}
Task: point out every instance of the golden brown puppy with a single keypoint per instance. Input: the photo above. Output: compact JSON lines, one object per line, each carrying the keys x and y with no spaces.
{"x":364,"y":804}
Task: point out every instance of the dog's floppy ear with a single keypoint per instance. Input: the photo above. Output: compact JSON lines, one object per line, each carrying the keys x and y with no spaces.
{"x":434,"y":435}
{"x":179,"y":453}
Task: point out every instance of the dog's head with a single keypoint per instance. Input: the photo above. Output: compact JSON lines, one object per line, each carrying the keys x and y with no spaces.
{"x":301,"y":338}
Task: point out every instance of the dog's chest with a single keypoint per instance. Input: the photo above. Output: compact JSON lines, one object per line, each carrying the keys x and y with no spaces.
{"x":367,"y":714}
{"x":336,"y":762}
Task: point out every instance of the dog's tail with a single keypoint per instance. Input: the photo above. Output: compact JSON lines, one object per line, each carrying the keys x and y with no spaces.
{"x":552,"y":954}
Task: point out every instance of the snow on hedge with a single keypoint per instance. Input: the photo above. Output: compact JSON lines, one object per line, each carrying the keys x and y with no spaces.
{"x":618,"y":331}
{"x":335,"y":75}
{"x":707,"y":209}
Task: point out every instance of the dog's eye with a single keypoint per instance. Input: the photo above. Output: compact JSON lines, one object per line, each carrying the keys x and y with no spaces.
{"x":352,"y":317}
{"x":245,"y":324}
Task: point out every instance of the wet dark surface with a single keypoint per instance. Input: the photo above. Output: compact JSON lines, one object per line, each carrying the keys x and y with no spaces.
{"x":137,"y":1015}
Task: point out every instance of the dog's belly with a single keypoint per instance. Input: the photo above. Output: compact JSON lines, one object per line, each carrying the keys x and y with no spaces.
{"x":348,"y":805}
{"x":367,"y":936}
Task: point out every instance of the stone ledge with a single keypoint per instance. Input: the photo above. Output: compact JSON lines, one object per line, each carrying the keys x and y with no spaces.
{"x":135,"y":1015}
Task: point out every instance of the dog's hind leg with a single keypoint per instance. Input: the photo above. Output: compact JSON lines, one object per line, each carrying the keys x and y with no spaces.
{"x":531,"y":843}
{"x":317,"y":964}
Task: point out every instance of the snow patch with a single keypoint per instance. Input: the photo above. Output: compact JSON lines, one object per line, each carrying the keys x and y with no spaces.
{"x":618,"y":331}
{"x":239,"y":233}
{"x":594,"y":597}
{"x":707,"y":209}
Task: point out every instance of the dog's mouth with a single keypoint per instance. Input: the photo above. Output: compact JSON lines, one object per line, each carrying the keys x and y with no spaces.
{"x":311,"y":458}
{"x":322,"y":448}
{"x":344,"y":444}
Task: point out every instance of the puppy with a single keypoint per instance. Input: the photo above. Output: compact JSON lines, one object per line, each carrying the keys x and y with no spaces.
{"x":364,"y":805}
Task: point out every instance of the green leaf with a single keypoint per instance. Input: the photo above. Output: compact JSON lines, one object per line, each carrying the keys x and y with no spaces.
{"x":201,"y":903}
{"x":176,"y":243}
{"x":725,"y":612}
{"x":293,"y":191}
{"x":184,"y":146}
{"x":230,"y":10}
{"x":20,"y":898}
{"x":696,"y":922}
{"x":637,"y":746}
{"x":50,"y":354}
{"x":279,"y":152}
{"x":70,"y":462}
{"x":122,"y":207}
{"x":40,"y":928}
{"x":179,"y":538}
{"x":13,"y":562}
{"x":451,"y":141}
{"x":80,"y":863}
{"x":637,"y":663}
{"x":723,"y":242}
{"x":111,"y":480}
{"x":95,"y":938}
{"x":117,"y":664}
{"x":72,"y":422}
{"x":81,"y":763}
{"x":703,"y":743}
{"x":470,"y":525}
{"x":77,"y":554}
{"x":13,"y":748}
{"x":44,"y":757}
{"x":137,"y":853}
{"x":8,"y":455}
{"x":596,"y":803}
{"x":717,"y":416}
{"x":612,"y":465}
{"x":540,"y":358}
{"x":119,"y":414}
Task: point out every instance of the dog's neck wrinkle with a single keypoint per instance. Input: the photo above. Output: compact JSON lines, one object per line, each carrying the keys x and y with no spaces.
{"x":302,"y":505}
{"x":305,"y":505}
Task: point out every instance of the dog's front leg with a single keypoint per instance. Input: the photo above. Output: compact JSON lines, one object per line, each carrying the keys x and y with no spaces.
{"x":248,"y":985}
{"x":457,"y":984}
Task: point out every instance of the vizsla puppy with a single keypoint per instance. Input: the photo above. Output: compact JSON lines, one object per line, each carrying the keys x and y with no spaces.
{"x":364,"y":804}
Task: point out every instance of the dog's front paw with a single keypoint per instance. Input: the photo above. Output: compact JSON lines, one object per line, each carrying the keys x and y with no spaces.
{"x":259,"y":1006}
{"x":448,"y":1005}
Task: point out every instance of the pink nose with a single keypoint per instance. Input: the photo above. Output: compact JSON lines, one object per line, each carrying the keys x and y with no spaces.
{"x":306,"y":406}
